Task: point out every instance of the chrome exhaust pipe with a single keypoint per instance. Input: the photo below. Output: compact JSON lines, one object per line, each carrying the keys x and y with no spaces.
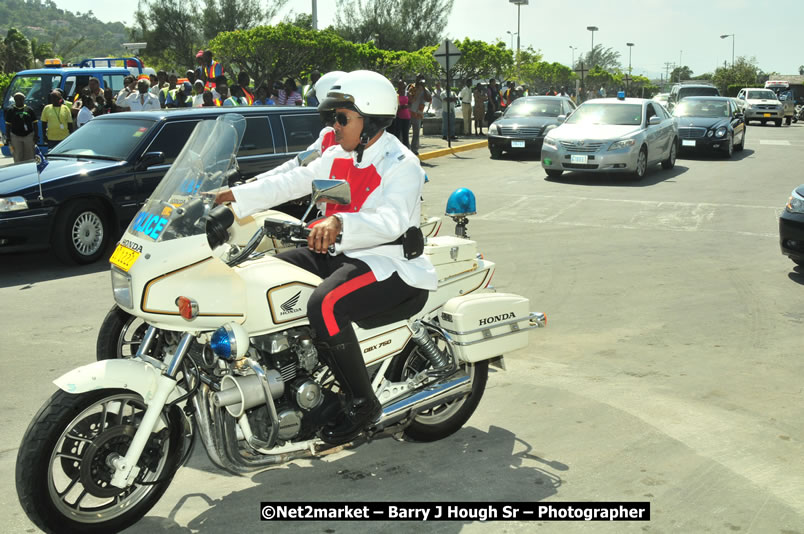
{"x":424,"y":400}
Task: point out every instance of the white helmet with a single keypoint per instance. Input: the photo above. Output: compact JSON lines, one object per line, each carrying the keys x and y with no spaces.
{"x":369,"y":93}
{"x":325,"y":82}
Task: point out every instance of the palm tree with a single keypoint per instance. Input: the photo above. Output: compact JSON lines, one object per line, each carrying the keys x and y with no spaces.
{"x":605,"y":58}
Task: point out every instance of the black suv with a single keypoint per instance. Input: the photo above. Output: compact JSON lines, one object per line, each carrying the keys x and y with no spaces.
{"x":97,"y":179}
{"x":681,"y":90}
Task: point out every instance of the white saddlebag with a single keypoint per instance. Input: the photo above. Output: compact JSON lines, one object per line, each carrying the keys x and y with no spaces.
{"x":451,"y":255}
{"x":486,"y":325}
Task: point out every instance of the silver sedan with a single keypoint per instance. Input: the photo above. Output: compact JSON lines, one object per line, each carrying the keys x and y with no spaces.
{"x":612,"y":135}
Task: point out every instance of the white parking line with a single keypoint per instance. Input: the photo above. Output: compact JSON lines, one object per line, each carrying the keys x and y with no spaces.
{"x":781,"y":142}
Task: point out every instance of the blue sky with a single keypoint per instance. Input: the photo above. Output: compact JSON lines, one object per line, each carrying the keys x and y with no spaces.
{"x":662,"y":31}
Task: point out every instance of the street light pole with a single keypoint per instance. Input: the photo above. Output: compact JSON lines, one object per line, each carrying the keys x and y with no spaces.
{"x":512,"y":37}
{"x":573,"y":48}
{"x":592,"y":29}
{"x":732,"y":46}
{"x":630,"y":45}
{"x":519,"y":4}
{"x":315,"y":14}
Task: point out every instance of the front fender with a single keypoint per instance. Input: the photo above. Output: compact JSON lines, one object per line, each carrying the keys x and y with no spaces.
{"x":132,"y":374}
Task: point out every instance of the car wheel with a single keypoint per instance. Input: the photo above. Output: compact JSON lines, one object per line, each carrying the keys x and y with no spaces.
{"x":729,"y":147}
{"x":496,"y":153}
{"x":642,"y":163}
{"x":670,"y":162}
{"x":779,"y":123}
{"x":741,"y":146}
{"x":554,"y":173}
{"x":81,"y":233}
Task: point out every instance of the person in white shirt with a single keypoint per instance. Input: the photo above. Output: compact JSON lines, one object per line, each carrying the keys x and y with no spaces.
{"x":437,"y":103}
{"x":466,"y":107}
{"x":142,"y":100}
{"x":198,"y":97}
{"x":371,"y":269}
{"x":85,"y":113}
{"x":130,"y":85}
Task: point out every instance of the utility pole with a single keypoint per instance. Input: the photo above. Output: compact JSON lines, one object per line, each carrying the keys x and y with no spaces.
{"x":667,"y":70}
{"x":315,"y":14}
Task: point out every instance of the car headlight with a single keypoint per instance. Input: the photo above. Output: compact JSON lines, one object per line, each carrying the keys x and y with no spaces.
{"x":549,"y":141}
{"x":622,"y":143}
{"x":795,"y":204}
{"x":720,"y":132}
{"x":710,"y":133}
{"x":121,"y":287}
{"x":13,"y":204}
{"x":494,"y":129}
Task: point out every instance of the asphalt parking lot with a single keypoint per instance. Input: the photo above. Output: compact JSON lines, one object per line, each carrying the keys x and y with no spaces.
{"x":670,"y":370}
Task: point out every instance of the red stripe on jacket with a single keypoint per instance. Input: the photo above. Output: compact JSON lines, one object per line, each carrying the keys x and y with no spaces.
{"x":362,"y":182}
{"x":328,"y":141}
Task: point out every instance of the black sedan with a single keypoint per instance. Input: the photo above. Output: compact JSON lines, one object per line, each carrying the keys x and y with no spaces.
{"x":710,"y":123}
{"x":791,"y":227}
{"x":97,"y":178}
{"x":525,"y":123}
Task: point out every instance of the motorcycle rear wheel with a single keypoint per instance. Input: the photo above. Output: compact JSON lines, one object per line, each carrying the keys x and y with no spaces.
{"x":445,"y":419}
{"x":62,"y":476}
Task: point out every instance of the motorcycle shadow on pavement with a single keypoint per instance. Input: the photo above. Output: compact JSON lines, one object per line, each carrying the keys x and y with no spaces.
{"x":471,"y":465}
{"x":655,"y":175}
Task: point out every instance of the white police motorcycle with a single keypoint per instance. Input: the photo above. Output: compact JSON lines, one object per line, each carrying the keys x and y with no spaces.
{"x":228,"y":354}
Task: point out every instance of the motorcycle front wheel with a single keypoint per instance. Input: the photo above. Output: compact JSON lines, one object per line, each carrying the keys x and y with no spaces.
{"x":120,"y":335}
{"x":63,"y":474}
{"x":445,"y":419}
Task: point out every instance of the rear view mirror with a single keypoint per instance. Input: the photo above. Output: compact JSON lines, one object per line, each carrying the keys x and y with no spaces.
{"x":335,"y":191}
{"x":149,"y":159}
{"x":561,"y":118}
{"x":653,"y":121}
{"x":307,"y":157}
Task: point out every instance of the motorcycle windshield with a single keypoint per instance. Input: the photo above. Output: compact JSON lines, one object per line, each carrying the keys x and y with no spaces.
{"x":187,"y":192}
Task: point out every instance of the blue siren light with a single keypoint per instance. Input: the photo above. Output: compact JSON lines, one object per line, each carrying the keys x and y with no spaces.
{"x":223,"y":343}
{"x":621,"y":95}
{"x":461,"y":202}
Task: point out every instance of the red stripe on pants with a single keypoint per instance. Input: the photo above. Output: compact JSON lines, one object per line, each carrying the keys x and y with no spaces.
{"x":332,"y":298}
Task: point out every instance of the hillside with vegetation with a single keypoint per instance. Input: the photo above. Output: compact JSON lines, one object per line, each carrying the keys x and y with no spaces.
{"x":55,"y":32}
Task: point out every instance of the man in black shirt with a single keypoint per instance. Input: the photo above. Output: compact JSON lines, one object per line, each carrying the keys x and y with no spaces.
{"x":21,"y":129}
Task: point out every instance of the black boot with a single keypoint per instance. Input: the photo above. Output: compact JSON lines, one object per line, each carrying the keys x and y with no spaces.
{"x":342,"y":354}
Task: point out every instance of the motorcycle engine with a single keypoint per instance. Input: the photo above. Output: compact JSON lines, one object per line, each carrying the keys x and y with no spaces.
{"x":300,"y":408}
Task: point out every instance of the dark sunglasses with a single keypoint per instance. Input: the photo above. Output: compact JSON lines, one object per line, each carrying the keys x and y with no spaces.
{"x":342,"y":119}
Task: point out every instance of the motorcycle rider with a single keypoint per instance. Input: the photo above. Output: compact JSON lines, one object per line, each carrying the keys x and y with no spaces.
{"x":368,"y":273}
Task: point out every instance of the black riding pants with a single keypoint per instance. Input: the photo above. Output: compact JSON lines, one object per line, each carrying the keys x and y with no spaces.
{"x":349,"y":292}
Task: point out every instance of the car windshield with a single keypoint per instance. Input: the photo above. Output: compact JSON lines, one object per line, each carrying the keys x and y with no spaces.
{"x":697,"y":91}
{"x":104,"y":139}
{"x":701,"y":108}
{"x":35,"y":87}
{"x":534,"y":108}
{"x":761,"y":95}
{"x":612,"y":114}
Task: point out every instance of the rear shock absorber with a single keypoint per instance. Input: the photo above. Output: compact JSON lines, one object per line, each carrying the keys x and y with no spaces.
{"x":428,"y":347}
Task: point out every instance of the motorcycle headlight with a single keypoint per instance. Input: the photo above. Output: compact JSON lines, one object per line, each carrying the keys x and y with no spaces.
{"x":720,"y":132}
{"x":549,"y":141}
{"x":622,"y":143}
{"x":795,"y":204}
{"x":13,"y":204}
{"x":121,"y":287}
{"x":494,"y":129}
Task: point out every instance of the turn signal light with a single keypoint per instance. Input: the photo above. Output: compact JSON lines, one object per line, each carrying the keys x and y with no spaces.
{"x":188,"y":308}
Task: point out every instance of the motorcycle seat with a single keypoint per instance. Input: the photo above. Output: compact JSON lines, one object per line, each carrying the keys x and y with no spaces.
{"x":406,"y":309}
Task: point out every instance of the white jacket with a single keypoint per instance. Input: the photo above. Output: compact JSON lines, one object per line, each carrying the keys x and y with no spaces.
{"x":386,"y":200}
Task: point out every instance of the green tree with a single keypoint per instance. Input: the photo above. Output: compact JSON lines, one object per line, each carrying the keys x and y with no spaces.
{"x":17,"y":51}
{"x":41,"y":50}
{"x":393,"y":24}
{"x":169,"y":27}
{"x":801,"y":70}
{"x":745,"y":72}
{"x":480,"y":59}
{"x":605,"y":58}
{"x":220,"y":16}
{"x":680,"y":74}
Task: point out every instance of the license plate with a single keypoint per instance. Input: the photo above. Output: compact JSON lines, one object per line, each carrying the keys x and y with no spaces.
{"x":517,"y":144}
{"x":124,"y":257}
{"x":766,"y":114}
{"x":578,"y":159}
{"x":688,"y":142}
